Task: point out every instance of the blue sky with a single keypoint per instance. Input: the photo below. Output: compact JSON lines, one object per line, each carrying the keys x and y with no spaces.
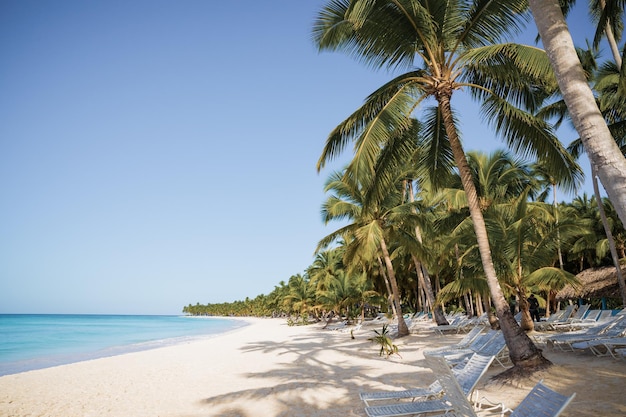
{"x":159,"y":153}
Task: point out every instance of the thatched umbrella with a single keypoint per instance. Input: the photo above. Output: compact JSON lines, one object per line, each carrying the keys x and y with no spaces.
{"x":596,"y":283}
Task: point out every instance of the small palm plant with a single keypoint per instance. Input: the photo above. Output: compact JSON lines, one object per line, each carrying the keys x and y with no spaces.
{"x":384,"y":340}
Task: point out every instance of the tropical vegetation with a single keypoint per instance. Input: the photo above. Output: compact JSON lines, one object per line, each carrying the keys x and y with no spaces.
{"x":428,"y":226}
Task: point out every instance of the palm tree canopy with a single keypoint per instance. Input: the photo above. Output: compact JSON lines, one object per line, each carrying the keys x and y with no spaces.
{"x":445,"y":46}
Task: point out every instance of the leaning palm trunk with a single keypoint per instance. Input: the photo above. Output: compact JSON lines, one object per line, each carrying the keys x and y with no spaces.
{"x":609,"y":237}
{"x":596,"y":189}
{"x":381,"y":265}
{"x":523,"y":352}
{"x":403,"y":329}
{"x":424,"y":277}
{"x":424,"y":280}
{"x":601,"y":149}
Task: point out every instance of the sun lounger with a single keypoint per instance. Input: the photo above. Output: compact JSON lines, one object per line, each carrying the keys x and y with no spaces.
{"x":564,"y":341}
{"x":560,"y":316}
{"x":577,"y":317}
{"x":603,"y":346}
{"x":478,"y":342}
{"x":468,"y":376}
{"x":495,"y":345}
{"x":541,"y":401}
{"x":467,"y":379}
{"x":457,"y":325}
{"x":468,"y":338}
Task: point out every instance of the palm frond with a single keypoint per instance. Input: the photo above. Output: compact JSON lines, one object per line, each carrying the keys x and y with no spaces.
{"x":489,"y":21}
{"x":377,"y":33}
{"x":530,"y":135}
{"x":551,"y":278}
{"x":434,"y":156}
{"x":520,"y":74}
{"x":385,"y":111}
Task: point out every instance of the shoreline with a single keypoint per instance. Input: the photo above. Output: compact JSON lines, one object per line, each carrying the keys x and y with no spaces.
{"x":48,"y":360}
{"x":269,"y":368}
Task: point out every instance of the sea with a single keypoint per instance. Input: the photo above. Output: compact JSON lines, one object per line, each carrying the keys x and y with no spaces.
{"x":37,"y":341}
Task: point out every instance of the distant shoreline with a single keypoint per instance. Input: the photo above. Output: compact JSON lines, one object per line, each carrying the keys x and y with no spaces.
{"x":86,"y":348}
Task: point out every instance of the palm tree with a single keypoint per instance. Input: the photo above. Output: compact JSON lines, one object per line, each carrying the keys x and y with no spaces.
{"x":532,"y":236}
{"x":301,"y":296}
{"x":456,"y":44}
{"x":366,"y":236}
{"x":612,"y":106}
{"x":596,"y":137}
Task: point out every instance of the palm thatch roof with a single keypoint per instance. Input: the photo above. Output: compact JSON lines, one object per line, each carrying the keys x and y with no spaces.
{"x":596,"y":283}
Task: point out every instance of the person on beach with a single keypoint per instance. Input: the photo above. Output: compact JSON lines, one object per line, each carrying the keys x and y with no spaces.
{"x":533,"y":307}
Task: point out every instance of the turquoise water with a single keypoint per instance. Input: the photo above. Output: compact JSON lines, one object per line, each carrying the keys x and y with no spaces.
{"x":35,"y":341}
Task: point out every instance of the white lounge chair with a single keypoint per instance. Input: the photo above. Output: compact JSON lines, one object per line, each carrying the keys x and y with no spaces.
{"x":468,"y":376}
{"x":495,"y":346}
{"x":603,"y":347}
{"x":560,"y":316}
{"x":541,"y":401}
{"x":478,"y":342}
{"x":576,"y":317}
{"x":564,"y":341}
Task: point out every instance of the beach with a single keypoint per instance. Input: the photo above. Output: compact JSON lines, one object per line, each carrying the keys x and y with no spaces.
{"x":271,"y":369}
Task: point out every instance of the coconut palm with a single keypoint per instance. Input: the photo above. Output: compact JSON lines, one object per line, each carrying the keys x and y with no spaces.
{"x":456,"y":44}
{"x":596,"y":137}
{"x":612,"y":104}
{"x":301,"y":296}
{"x":531,"y":237}
{"x":325,"y":266}
{"x":366,"y":235}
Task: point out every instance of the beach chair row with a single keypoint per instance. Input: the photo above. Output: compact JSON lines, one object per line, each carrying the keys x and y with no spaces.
{"x":604,"y":338}
{"x":574,"y":318}
{"x":452,"y":394}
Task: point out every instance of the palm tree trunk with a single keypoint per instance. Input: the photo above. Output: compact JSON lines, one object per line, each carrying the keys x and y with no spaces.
{"x":422,"y":274}
{"x":620,"y":278}
{"x":522,"y":351}
{"x":611,"y":40}
{"x":403,"y":330}
{"x":381,"y":265}
{"x":609,"y":236}
{"x":558,"y":233}
{"x":601,"y":149}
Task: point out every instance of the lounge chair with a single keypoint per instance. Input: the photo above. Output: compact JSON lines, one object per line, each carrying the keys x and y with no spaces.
{"x":603,"y":347}
{"x":412,"y":408}
{"x":494,"y":346}
{"x":468,"y":376}
{"x":560,"y":316}
{"x":456,"y":325}
{"x":593,"y":318}
{"x":478,"y":342}
{"x":541,"y":401}
{"x":576,"y":317}
{"x":468,"y":338}
{"x":564,"y":341}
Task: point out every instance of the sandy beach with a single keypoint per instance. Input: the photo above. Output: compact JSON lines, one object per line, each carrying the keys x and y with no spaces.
{"x":270,"y":369}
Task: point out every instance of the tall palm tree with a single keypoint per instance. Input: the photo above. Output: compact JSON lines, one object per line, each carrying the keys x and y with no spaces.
{"x":612,"y":105}
{"x":366,"y":235}
{"x":456,"y":45}
{"x":601,"y":148}
{"x":301,"y":296}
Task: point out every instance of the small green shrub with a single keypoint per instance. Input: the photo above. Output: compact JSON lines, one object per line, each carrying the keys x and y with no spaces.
{"x":386,"y":344}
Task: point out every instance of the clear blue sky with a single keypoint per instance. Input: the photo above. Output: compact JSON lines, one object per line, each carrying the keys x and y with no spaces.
{"x":159,"y":153}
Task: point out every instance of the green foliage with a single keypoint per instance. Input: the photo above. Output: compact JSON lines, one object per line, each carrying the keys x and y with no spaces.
{"x":383,"y":339}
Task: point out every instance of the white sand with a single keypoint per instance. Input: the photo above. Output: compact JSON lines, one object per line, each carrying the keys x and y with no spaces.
{"x":270,"y":369}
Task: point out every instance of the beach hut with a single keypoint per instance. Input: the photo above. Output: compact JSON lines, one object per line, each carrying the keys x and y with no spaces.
{"x":599,"y":283}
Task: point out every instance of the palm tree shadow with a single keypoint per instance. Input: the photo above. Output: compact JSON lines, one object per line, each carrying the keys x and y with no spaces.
{"x":314,"y":381}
